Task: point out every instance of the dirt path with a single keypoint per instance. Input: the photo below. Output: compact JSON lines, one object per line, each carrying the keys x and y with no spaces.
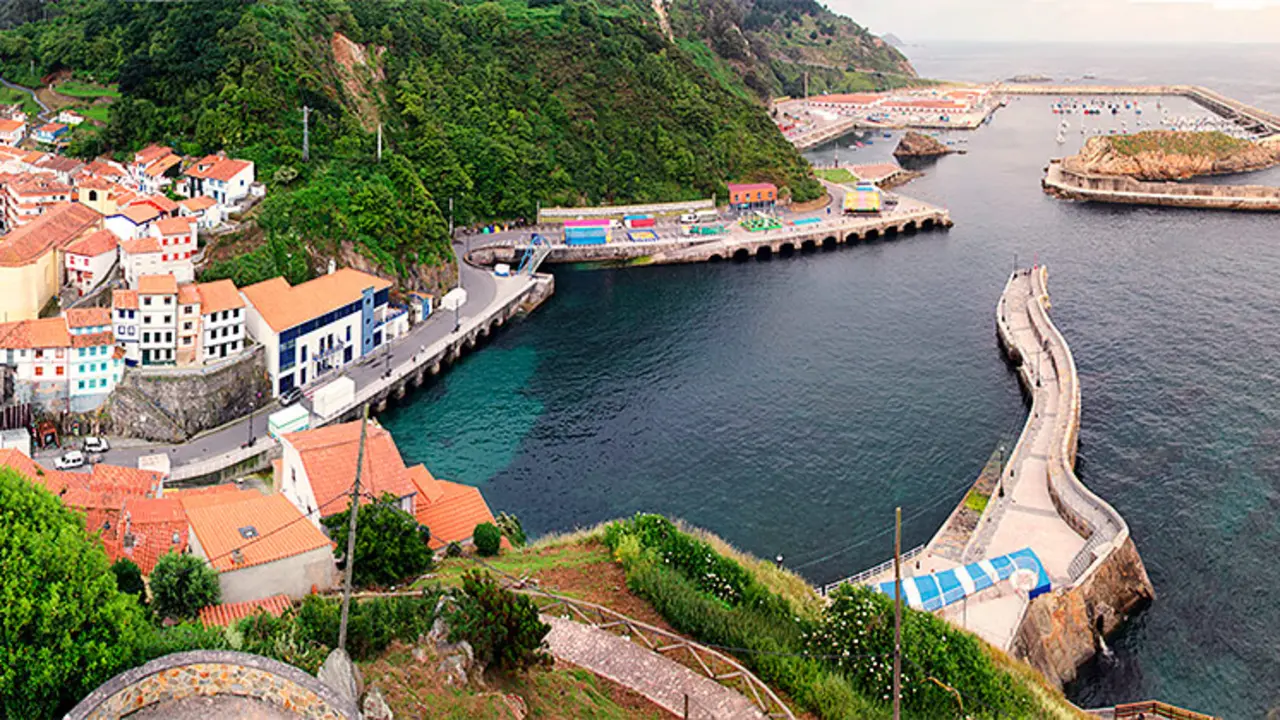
{"x":662,"y":681}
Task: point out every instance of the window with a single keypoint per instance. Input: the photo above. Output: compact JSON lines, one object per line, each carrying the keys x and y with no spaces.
{"x":168,"y":337}
{"x":81,"y":352}
{"x":81,"y":385}
{"x":168,"y":301}
{"x":146,"y":337}
{"x":188,"y":309}
{"x":304,"y":353}
{"x":39,"y":371}
{"x":348,"y":333}
{"x":58,"y":370}
{"x":130,"y":314}
{"x":235,"y":313}
{"x":146,"y":300}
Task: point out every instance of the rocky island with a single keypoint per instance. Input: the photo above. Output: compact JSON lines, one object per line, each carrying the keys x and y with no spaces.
{"x":1158,"y":155}
{"x":919,"y":145}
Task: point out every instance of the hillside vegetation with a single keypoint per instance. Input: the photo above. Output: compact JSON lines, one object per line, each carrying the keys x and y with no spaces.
{"x":773,"y":43}
{"x":1171,"y":155}
{"x":497,"y":105}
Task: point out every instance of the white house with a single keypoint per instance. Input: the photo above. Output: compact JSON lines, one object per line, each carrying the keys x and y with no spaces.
{"x":126,"y":319}
{"x":132,"y":222}
{"x":90,"y":258}
{"x":206,"y":211}
{"x":70,"y":117}
{"x":12,"y":131}
{"x":225,"y":528}
{"x":220,"y":177}
{"x":158,"y":313}
{"x":168,"y":248}
{"x":222,"y":320}
{"x":94,"y":363}
{"x":51,"y":133}
{"x":314,"y":328}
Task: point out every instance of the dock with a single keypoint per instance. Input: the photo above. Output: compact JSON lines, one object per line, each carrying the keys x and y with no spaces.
{"x":1037,"y":502}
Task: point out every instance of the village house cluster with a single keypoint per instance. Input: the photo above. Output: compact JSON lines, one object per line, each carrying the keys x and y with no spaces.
{"x":268,"y":549}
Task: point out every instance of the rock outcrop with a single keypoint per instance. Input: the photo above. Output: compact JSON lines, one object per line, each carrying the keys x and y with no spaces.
{"x":1170,"y":155}
{"x":919,"y":145}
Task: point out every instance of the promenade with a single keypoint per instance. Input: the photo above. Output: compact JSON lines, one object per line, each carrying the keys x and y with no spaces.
{"x":1038,"y":502}
{"x":387,"y":374}
{"x":1068,"y":185}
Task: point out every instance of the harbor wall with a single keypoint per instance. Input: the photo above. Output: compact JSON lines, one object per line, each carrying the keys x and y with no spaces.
{"x":1067,"y":184}
{"x":1063,"y":629}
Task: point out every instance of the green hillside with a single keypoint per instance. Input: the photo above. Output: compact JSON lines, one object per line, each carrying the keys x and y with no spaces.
{"x":498,"y":105}
{"x":773,"y":43}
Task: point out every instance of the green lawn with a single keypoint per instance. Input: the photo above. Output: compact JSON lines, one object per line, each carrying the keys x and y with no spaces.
{"x":836,"y":175}
{"x":8,"y":96}
{"x":94,"y":112}
{"x":81,"y":89}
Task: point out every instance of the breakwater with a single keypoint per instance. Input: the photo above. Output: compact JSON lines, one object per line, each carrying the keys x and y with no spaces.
{"x":1246,"y":116}
{"x":1061,"y":182}
{"x":1105,"y":578}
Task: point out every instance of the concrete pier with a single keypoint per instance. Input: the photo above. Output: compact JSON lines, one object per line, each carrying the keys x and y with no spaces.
{"x":1038,"y":502}
{"x":1063,"y":183}
{"x":909,"y":217}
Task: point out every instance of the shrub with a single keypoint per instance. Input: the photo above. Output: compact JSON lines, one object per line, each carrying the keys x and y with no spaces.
{"x":453,"y":549}
{"x":390,"y":544}
{"x":488,"y":538}
{"x":129,"y":579}
{"x":65,"y":625}
{"x":371,"y":626}
{"x":511,"y":528}
{"x":502,"y":627}
{"x":181,"y":585}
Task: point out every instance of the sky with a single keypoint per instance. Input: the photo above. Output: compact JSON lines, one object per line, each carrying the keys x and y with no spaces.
{"x":1127,"y":21}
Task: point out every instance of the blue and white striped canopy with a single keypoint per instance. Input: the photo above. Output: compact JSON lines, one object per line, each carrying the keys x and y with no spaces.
{"x":938,"y":590}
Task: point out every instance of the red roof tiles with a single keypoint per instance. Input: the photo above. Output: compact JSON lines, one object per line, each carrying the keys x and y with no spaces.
{"x":157,"y":285}
{"x":98,"y":242}
{"x":283,"y":306}
{"x":87,"y":317}
{"x":450,"y":510}
{"x":230,"y":613}
{"x":329,"y":456}
{"x":56,"y":228}
{"x":253,"y":531}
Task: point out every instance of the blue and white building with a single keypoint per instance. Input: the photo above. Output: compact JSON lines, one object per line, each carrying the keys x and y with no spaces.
{"x":311,"y":330}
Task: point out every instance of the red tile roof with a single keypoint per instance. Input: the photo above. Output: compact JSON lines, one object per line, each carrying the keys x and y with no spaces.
{"x":850,"y":98}
{"x":28,"y":334}
{"x":56,"y":228}
{"x":55,"y":481}
{"x":152,"y":528}
{"x":126,"y":480}
{"x":98,"y":242}
{"x":51,"y":127}
{"x":229,"y":613}
{"x":87,"y":317}
{"x":140,"y":214}
{"x":151,"y":153}
{"x":93,"y":340}
{"x":283,"y":306}
{"x":452,"y":511}
{"x":188,"y":295}
{"x":216,"y":167}
{"x":329,"y":457}
{"x":8,"y":126}
{"x":197,"y":204}
{"x":140,"y":246}
{"x":253,"y":531}
{"x":160,"y":202}
{"x":157,"y":284}
{"x":124,"y":299}
{"x":748,"y":187}
{"x":175,"y":225}
{"x":219,"y":295}
{"x":161,"y":166}
{"x":205,"y":490}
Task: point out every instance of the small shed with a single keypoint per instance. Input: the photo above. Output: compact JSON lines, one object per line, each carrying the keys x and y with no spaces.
{"x":290,"y":419}
{"x":750,"y":196}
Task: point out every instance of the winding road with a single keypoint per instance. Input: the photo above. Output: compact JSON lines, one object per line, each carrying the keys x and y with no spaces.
{"x":45,"y":111}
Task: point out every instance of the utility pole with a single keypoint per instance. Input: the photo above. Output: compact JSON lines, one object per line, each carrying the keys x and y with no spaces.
{"x":897,"y":614}
{"x":351,"y":533}
{"x":450,"y":219}
{"x":306,"y":134}
{"x":379,"y":142}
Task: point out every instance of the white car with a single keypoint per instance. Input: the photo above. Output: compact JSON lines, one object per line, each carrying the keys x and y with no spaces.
{"x":69,"y":461}
{"x":96,"y":444}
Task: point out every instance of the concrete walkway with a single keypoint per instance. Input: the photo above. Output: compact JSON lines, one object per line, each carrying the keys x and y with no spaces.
{"x":663,"y":681}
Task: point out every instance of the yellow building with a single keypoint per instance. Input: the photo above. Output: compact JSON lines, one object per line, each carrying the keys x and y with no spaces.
{"x":31,"y":262}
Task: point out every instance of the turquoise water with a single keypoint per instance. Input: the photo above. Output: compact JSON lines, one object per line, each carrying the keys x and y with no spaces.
{"x":790,"y":405}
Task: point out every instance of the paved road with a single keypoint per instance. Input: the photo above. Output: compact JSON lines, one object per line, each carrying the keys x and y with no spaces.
{"x":481,"y":287}
{"x":45,"y":113}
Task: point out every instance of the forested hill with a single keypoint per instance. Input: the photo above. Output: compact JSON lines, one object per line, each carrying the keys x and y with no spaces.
{"x":498,"y":105}
{"x":773,"y":43}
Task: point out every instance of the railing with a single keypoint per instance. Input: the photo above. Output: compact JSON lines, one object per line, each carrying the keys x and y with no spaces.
{"x":871,"y":572}
{"x":612,"y":210}
{"x":714,"y":664}
{"x":1157,"y":709}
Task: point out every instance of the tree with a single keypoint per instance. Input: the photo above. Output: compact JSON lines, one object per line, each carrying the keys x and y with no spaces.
{"x":488,"y":538}
{"x":181,"y":585}
{"x":511,"y":528}
{"x":502,"y":627}
{"x":129,"y":579}
{"x":64,"y":625}
{"x":390,"y":544}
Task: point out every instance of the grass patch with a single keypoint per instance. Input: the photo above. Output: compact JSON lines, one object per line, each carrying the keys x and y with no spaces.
{"x":976,"y":501}
{"x":94,"y":112}
{"x":9,"y":96}
{"x":82,"y":89}
{"x":1213,"y":144}
{"x":836,"y":175}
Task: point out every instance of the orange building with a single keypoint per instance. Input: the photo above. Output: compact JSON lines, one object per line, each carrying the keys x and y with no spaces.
{"x":752,"y":195}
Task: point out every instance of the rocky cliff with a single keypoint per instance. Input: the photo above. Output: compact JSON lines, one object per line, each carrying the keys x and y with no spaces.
{"x":919,"y":145}
{"x":1171,"y":155}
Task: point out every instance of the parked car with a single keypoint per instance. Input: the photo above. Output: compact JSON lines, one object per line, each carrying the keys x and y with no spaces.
{"x":290,"y":396}
{"x":96,"y":444}
{"x":70,"y":461}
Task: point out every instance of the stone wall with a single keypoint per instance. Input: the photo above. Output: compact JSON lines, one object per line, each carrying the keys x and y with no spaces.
{"x":214,"y":673}
{"x":174,"y":404}
{"x":1060,"y":630}
{"x":1062,"y":183}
